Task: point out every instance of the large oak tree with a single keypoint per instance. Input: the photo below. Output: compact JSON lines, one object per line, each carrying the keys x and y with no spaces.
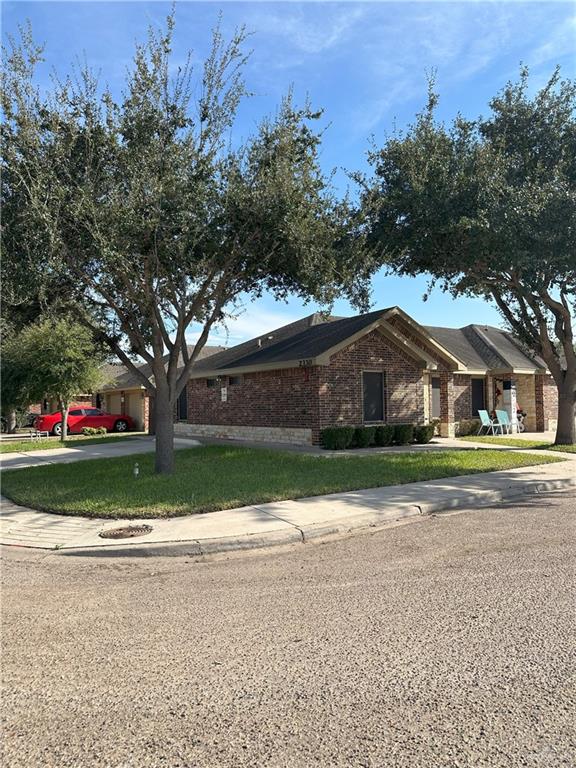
{"x":488,"y":208}
{"x":156,"y":214}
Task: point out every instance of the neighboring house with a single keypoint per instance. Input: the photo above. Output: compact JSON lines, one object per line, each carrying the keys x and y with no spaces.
{"x":126,"y":394}
{"x":51,"y":405}
{"x":287,"y":385}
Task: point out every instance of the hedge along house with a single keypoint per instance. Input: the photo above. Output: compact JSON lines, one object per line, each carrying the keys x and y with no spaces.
{"x":380,"y":367}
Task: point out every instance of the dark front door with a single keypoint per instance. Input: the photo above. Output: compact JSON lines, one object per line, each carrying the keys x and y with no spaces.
{"x":477,"y":397}
{"x":435,"y":399}
{"x":373,"y":387}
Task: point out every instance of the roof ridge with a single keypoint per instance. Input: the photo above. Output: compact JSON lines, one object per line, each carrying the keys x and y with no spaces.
{"x":477,"y":329}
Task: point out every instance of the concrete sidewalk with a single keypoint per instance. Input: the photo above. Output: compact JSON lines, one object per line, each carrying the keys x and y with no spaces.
{"x":80,"y":452}
{"x":281,"y":522}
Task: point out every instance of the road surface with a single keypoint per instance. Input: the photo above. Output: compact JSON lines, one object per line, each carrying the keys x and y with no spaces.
{"x":446,"y":642}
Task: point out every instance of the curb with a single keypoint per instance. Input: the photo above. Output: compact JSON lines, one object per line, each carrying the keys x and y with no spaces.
{"x":303,"y":534}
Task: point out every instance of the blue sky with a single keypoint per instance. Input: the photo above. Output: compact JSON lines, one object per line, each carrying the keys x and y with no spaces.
{"x":364,"y":63}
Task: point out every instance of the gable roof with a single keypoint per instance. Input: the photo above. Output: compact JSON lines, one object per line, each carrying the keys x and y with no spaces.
{"x":119,"y":376}
{"x":318,"y":335}
{"x":312,"y":339}
{"x":486,"y":348}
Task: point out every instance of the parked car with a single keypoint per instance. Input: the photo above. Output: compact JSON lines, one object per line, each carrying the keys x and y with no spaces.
{"x":78,"y":418}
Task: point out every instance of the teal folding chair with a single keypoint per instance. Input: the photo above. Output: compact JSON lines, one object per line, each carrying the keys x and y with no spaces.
{"x":504,"y":421}
{"x":487,"y":423}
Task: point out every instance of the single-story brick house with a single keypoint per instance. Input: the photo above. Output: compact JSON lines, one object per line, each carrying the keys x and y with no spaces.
{"x":287,"y":385}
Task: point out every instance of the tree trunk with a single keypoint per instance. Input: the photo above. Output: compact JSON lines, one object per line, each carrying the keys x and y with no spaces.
{"x":11,"y":421}
{"x":164,"y":426}
{"x":566,"y":429}
{"x":64,"y":420}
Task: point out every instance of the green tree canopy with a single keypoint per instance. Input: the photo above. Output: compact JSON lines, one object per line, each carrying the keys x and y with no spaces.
{"x":159,"y":219}
{"x":488,"y":208}
{"x":57,"y":358}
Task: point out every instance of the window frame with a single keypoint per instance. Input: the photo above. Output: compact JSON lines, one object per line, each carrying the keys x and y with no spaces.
{"x":384,"y":396}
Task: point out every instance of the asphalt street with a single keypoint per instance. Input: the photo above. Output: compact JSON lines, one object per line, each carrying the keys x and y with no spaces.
{"x":442,"y":643}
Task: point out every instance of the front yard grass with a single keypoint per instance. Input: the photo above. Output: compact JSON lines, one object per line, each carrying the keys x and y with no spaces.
{"x":46,"y":444}
{"x":214,"y":477}
{"x":517,"y":442}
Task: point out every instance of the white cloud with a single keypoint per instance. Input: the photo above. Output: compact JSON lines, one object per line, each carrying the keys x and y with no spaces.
{"x":306,"y":31}
{"x":560,"y":43}
{"x":254,"y":321}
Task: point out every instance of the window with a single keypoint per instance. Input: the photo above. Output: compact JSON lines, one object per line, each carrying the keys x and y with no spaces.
{"x":182,"y":413}
{"x":233,"y":381}
{"x":373,"y":387}
{"x":435,"y":398}
{"x":210,"y":382}
{"x":478,"y":401}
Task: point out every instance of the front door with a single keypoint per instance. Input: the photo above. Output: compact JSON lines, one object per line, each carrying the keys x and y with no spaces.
{"x":477,"y":397}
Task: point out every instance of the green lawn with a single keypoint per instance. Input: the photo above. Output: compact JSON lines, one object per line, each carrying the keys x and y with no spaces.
{"x":12,"y":446}
{"x":219,"y":477}
{"x":517,"y":442}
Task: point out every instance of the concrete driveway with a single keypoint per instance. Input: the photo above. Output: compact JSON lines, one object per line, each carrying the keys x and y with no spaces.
{"x":125,"y":447}
{"x":445,"y":643}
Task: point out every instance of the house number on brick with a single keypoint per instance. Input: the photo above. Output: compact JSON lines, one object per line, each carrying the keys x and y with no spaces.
{"x":224,"y":394}
{"x":305,"y":363}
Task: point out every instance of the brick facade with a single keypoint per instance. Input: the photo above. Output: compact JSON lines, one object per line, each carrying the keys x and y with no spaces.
{"x":316,"y":397}
{"x":546,"y":398}
{"x":462,"y":392}
{"x":282,"y":398}
{"x":341,"y":398}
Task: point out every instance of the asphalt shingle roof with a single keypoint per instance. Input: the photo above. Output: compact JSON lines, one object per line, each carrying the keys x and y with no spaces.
{"x":479,"y":347}
{"x":120,"y":377}
{"x":483,"y":347}
{"x":455,"y":341}
{"x":320,"y":336}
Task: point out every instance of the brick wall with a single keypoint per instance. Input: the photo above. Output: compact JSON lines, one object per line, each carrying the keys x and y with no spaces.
{"x":282,"y":398}
{"x":546,"y":400}
{"x":341,"y":383}
{"x":462,"y":388}
{"x":526,"y":399}
{"x":550,"y":403}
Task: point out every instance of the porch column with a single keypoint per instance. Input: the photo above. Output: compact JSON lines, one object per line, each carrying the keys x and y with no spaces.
{"x":447,"y":425}
{"x":489,"y":393}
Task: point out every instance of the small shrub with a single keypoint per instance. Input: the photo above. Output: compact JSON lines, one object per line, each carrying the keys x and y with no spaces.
{"x":467,"y":427}
{"x":89,"y":431}
{"x":384,"y":435}
{"x":336,"y":438}
{"x":363,"y":437}
{"x":423,"y":433}
{"x":403,"y":434}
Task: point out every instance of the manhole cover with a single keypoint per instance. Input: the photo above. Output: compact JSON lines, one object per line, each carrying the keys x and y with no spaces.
{"x":127,"y":532}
